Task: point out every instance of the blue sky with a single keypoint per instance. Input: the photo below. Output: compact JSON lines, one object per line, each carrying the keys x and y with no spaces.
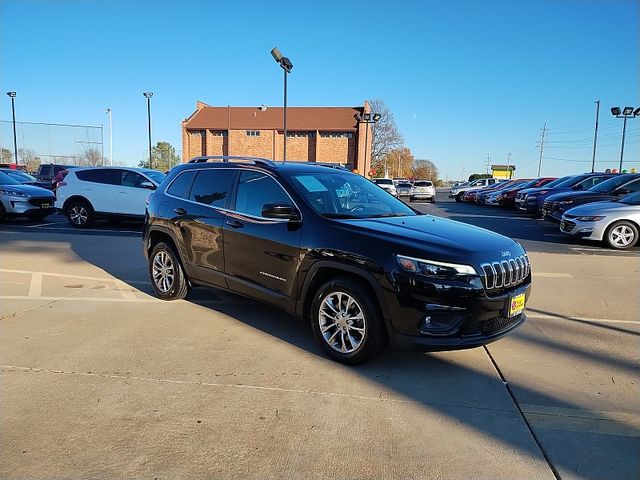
{"x":464,"y":79}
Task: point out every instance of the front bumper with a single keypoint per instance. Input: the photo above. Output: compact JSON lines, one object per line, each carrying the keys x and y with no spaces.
{"x":444,"y":315}
{"x":21,"y":206}
{"x":586,"y":230}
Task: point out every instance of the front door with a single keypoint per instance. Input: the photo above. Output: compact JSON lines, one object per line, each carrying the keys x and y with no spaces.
{"x":132,"y":195}
{"x":261,"y":254}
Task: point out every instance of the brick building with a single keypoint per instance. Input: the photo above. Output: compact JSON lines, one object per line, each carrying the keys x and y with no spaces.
{"x":314,"y":134}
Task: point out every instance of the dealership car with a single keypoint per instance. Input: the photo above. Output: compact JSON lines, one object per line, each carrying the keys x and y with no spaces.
{"x":423,"y":190}
{"x":48,"y":171}
{"x":507,"y":197}
{"x":386,"y":184}
{"x":617,"y":222}
{"x":404,"y":189}
{"x":361,"y":272}
{"x":532,"y":202}
{"x":18,"y":200}
{"x":489,"y":196}
{"x":24,"y":178}
{"x":619,"y":186}
{"x":115,"y":193}
{"x":460,"y":190}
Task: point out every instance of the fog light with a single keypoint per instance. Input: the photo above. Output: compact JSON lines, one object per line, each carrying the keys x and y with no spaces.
{"x":585,"y":230}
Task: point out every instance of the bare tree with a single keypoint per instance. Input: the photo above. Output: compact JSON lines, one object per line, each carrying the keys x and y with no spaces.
{"x":424,"y":169}
{"x":398,"y":162}
{"x":91,"y":157}
{"x":6,"y":156}
{"x":29,"y":159}
{"x":386,"y":136}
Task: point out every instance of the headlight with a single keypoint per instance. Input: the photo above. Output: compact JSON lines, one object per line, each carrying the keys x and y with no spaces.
{"x":593,"y":218}
{"x":430,"y":268}
{"x":12,"y":193}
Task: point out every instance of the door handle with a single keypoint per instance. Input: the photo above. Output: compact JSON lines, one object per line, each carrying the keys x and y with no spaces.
{"x":180,"y":211}
{"x":234,"y":223}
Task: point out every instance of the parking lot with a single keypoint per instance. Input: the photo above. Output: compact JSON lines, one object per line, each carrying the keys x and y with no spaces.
{"x":102,"y":380}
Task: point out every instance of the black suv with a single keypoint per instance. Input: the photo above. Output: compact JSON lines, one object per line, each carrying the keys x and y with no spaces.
{"x":362,"y":269}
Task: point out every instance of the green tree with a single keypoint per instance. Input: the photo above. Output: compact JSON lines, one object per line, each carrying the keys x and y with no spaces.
{"x":6,"y":156}
{"x":163,"y":157}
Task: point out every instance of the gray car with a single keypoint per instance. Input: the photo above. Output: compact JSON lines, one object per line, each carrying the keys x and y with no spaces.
{"x":17,"y":200}
{"x":617,"y":222}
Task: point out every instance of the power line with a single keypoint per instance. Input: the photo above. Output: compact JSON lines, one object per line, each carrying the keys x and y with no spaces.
{"x":544,"y":129}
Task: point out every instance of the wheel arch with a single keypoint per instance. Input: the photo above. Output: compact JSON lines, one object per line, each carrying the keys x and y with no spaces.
{"x":321,"y":272}
{"x":613,"y":222}
{"x":75,"y":198}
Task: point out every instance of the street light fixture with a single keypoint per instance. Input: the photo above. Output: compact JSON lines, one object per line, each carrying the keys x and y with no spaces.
{"x":628,"y":112}
{"x":13,"y":110}
{"x":148,"y":96}
{"x":368,"y":118}
{"x":286,"y":66}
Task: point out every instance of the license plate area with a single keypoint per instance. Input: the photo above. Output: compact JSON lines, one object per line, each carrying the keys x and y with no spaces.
{"x":516,"y":305}
{"x":45,"y":205}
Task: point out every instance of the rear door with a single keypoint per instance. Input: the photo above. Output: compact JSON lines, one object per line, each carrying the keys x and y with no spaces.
{"x":132,"y":195}
{"x":100,"y":186}
{"x":201,"y":220}
{"x":261,"y":254}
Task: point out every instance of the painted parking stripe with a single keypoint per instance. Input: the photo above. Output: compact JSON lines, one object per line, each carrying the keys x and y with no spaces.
{"x":35,"y":287}
{"x":542,"y":316}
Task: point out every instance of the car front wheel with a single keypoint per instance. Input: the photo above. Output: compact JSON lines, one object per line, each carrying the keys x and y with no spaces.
{"x":166,"y":274}
{"x":622,"y":235}
{"x":346,"y":323}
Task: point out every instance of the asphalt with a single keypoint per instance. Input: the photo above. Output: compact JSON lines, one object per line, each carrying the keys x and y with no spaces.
{"x":101,"y":380}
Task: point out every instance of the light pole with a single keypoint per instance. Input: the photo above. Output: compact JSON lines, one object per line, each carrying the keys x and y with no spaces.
{"x":627,"y":112}
{"x":287,"y":66}
{"x":110,"y":138}
{"x":148,"y":96}
{"x":595,"y":137}
{"x":13,"y":110}
{"x":367,"y":118}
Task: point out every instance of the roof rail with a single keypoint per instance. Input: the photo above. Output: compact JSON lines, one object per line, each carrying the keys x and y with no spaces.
{"x":232,"y":159}
{"x":337,"y":166}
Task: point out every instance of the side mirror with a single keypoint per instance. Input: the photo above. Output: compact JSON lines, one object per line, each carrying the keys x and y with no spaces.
{"x":148,"y":185}
{"x":282,"y":211}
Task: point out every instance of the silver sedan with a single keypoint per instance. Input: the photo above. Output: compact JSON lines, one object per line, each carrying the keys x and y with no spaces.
{"x":617,"y":223}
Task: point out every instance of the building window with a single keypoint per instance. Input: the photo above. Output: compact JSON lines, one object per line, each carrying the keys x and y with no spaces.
{"x":301,"y":134}
{"x":336,"y":134}
{"x":197,"y":133}
{"x":253,"y":133}
{"x":219,"y":133}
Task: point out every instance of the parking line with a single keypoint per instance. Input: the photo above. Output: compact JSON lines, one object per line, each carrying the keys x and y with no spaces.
{"x":35,"y":287}
{"x":39,"y":225}
{"x":542,"y":316}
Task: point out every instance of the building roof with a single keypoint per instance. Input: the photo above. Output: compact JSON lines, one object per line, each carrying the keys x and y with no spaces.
{"x":503,"y":167}
{"x":340,"y":119}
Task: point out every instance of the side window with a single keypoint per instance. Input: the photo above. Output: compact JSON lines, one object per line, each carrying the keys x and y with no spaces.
{"x":132,"y":179}
{"x":590,"y":182}
{"x":255,"y":189}
{"x":632,"y":186}
{"x":45,"y":170}
{"x":181,"y":186}
{"x":106,"y":176}
{"x":211,"y":187}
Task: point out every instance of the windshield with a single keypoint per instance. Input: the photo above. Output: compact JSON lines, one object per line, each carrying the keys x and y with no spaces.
{"x":7,"y":180}
{"x":404,"y":185}
{"x":346,"y":195}
{"x":633,"y":199}
{"x":558,"y":181}
{"x":611,"y":184}
{"x":155,"y":175}
{"x":21,"y":176}
{"x":383,"y":181}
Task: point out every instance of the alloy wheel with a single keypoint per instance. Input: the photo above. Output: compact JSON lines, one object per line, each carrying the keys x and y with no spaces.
{"x":79,"y":214}
{"x":622,"y":236}
{"x":163,"y":271}
{"x":342,"y":322}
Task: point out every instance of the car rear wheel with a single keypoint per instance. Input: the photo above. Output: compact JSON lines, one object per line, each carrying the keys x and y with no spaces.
{"x":80,"y":214}
{"x":166,"y":274}
{"x":459,"y":197}
{"x":622,"y":235}
{"x":346,"y":323}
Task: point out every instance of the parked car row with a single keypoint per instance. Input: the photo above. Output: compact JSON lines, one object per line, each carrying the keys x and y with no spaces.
{"x":594,"y":206}
{"x":415,"y":190}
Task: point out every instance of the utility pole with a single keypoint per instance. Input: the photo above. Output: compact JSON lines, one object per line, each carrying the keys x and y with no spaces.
{"x":595,"y":138}
{"x":462,"y":170}
{"x":509,"y":165}
{"x":488,"y":163}
{"x":544,"y":129}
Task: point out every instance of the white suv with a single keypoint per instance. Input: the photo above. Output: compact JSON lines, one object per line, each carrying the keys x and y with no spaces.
{"x":386,"y":184}
{"x":114,"y":193}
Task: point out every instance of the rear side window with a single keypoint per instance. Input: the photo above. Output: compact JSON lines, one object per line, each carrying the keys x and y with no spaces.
{"x":633,"y":186}
{"x":181,"y":186}
{"x":255,"y":189}
{"x":423,"y":184}
{"x":102,"y":175}
{"x":45,"y":170}
{"x":211,"y":187}
{"x":590,"y":182}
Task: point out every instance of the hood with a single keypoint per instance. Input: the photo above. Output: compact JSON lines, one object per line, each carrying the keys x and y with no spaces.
{"x":438,"y":238}
{"x":29,"y":190}
{"x":602,"y":208}
{"x":582,"y":194}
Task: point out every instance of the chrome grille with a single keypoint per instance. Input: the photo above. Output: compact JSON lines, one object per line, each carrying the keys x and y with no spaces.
{"x":506,"y":273}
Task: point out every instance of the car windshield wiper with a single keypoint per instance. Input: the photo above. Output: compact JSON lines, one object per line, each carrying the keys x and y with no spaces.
{"x":339,"y":215}
{"x":383,"y":215}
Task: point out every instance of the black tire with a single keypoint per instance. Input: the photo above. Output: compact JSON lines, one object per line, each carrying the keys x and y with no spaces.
{"x":3,"y":214}
{"x":80,"y":214}
{"x":178,"y":287}
{"x":459,"y":197}
{"x":411,"y":199}
{"x":432,"y":200}
{"x":374,"y":336}
{"x":613,"y":239}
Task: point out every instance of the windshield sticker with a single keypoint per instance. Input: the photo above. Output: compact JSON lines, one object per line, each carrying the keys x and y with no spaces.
{"x":312,"y":184}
